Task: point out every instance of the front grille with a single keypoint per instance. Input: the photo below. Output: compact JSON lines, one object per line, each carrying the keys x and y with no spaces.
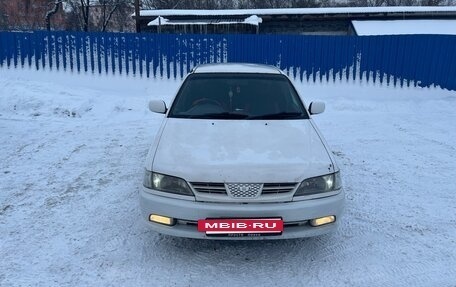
{"x":271,"y":188}
{"x":209,"y":187}
{"x":244,"y":190}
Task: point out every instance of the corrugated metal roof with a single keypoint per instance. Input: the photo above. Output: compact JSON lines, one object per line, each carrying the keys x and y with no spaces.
{"x":252,"y":20}
{"x":303,"y":11}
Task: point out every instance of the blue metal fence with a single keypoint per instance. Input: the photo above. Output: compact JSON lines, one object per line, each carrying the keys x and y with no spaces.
{"x":412,"y":59}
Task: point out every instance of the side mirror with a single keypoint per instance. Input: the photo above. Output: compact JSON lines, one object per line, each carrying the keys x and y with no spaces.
{"x":157,"y":106}
{"x":316,"y":108}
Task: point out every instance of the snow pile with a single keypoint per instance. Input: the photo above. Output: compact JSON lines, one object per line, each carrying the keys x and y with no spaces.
{"x":158,"y":21}
{"x":69,"y":211}
{"x":253,"y":20}
{"x":46,"y":95}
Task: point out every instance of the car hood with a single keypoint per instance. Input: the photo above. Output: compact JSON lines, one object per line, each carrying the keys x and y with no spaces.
{"x":240,"y":151}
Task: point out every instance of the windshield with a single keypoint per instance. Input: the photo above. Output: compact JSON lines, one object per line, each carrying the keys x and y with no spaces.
{"x":237,"y":96}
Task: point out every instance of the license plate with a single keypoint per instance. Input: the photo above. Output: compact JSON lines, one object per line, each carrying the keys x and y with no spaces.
{"x":241,"y":226}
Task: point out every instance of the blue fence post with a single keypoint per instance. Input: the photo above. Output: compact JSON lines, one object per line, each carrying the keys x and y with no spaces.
{"x":145,"y":43}
{"x":146,"y":55}
{"x":58,"y":49}
{"x":168,"y":56}
{"x":400,"y":59}
{"x":44,"y":49}
{"x":50,"y":49}
{"x":98,"y":56}
{"x":450,"y":82}
{"x":450,"y":63}
{"x":64,"y":50}
{"x":85,"y":52}
{"x":78,"y":40}
{"x":175,"y":54}
{"x":324,"y":58}
{"x":126,"y":51}
{"x":8,"y":49}
{"x":181,"y":54}
{"x":112,"y":53}
{"x":436,"y":68}
{"x":25,"y":53}
{"x":163,"y":55}
{"x":381,"y":55}
{"x":35,"y":49}
{"x":142,"y":58}
{"x":105,"y":53}
{"x":120,"y":54}
{"x":91,"y":47}
{"x":387,"y":60}
{"x":133,"y":51}
{"x":156,"y":53}
{"x":308,"y":61}
{"x":14,"y":48}
{"x":71,"y":49}
{"x":2,"y":53}
{"x":2,"y":48}
{"x":352,"y":57}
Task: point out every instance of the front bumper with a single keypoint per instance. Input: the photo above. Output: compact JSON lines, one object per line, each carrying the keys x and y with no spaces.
{"x":294,"y":214}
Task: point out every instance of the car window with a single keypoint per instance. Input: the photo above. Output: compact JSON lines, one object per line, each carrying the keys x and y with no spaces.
{"x":237,"y":96}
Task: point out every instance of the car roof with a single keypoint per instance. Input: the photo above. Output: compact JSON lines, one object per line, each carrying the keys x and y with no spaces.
{"x":236,"y":68}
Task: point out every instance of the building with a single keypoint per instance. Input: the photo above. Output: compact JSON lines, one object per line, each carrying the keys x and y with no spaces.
{"x":304,"y":21}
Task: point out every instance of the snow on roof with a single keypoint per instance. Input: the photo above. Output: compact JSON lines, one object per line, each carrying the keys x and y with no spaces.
{"x":294,"y":11}
{"x":236,"y":68}
{"x":404,"y":27}
{"x":252,"y":20}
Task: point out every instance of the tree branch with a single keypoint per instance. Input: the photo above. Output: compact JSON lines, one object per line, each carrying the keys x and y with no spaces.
{"x":51,"y":12}
{"x":106,"y":22}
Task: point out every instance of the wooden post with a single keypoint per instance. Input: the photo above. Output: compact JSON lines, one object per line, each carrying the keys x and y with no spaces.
{"x":137,"y":14}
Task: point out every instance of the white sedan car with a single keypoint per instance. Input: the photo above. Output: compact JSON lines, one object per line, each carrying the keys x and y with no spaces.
{"x":238,"y":156}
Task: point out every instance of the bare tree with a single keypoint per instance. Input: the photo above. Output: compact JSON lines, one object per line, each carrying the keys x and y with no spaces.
{"x":232,"y":4}
{"x":81,"y":8}
{"x":108,"y":8}
{"x":367,"y":3}
{"x":270,"y":4}
{"x":3,"y":16}
{"x":433,"y":2}
{"x":85,"y":10}
{"x":164,"y":4}
{"x":23,"y":14}
{"x":99,"y":15}
{"x":52,"y":12}
{"x":306,"y":3}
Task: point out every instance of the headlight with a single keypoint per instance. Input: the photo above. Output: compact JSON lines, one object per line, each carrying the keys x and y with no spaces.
{"x":320,"y":184}
{"x":166,"y":183}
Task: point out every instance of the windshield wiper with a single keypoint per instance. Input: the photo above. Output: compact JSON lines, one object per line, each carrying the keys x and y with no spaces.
{"x":225,"y":115}
{"x":277,"y":116}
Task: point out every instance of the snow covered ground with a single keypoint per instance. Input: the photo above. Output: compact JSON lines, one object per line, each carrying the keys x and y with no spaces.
{"x":72,"y":149}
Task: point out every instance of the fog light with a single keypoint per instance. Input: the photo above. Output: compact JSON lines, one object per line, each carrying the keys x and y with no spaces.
{"x":322,"y":220}
{"x":162,"y":219}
